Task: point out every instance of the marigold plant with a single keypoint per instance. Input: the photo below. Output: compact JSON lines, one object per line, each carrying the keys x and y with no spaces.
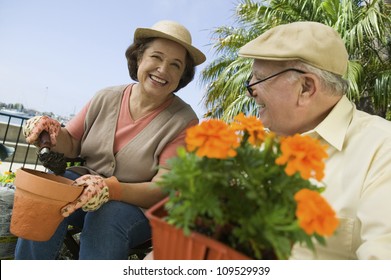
{"x":249,"y":188}
{"x":8,"y":177}
{"x":314,"y":213}
{"x":212,"y":139}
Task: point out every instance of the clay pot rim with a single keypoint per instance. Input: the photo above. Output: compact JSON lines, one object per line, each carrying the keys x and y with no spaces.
{"x":47,"y":185}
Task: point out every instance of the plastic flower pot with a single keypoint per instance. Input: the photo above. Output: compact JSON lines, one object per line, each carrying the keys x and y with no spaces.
{"x":170,"y":243}
{"x":39,"y":197}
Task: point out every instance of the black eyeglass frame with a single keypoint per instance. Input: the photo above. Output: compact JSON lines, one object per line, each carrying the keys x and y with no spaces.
{"x":250,"y":90}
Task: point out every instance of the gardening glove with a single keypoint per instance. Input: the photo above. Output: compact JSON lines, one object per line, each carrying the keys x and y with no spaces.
{"x":97,"y":191}
{"x":34,"y":127}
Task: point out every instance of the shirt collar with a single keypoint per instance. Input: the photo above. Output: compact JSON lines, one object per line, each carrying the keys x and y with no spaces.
{"x":334,"y":127}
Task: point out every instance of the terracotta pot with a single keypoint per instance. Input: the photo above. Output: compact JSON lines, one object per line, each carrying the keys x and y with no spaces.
{"x":170,"y":243}
{"x":39,"y":196}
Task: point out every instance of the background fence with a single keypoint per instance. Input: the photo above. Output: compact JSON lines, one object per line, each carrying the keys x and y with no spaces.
{"x":15,"y":152}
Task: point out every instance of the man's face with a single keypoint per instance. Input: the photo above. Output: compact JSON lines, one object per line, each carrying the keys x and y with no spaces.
{"x":277,"y":97}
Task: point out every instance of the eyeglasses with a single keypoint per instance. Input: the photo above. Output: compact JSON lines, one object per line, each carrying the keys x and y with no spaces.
{"x":248,"y":85}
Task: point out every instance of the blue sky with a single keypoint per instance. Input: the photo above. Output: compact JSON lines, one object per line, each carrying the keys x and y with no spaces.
{"x":55,"y":54}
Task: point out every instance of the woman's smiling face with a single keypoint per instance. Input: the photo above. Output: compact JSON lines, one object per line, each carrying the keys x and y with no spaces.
{"x":161,"y":66}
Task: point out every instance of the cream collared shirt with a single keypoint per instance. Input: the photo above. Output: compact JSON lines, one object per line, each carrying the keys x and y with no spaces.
{"x":358,"y":184}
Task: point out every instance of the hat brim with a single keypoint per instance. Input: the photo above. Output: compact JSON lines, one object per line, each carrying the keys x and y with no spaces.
{"x":195,"y":53}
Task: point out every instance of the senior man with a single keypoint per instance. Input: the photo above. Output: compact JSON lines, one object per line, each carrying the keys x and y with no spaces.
{"x":297,"y":82}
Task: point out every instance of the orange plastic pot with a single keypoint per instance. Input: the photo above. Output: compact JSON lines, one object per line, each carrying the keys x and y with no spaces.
{"x":38,"y":199}
{"x":170,"y":243}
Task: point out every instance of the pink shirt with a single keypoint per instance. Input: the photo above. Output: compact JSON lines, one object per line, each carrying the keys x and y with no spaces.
{"x":127,"y":128}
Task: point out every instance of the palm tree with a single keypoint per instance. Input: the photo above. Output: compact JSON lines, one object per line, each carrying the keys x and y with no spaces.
{"x":365,"y":26}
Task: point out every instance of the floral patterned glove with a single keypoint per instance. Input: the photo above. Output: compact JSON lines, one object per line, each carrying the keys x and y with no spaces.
{"x":34,"y":126}
{"x":97,"y":191}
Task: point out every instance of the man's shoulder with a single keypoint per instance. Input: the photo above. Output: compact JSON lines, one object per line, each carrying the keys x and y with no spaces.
{"x":372,"y":123}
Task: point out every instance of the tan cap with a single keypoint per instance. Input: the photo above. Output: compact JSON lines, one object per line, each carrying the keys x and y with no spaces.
{"x":173,"y":31}
{"x":314,"y":43}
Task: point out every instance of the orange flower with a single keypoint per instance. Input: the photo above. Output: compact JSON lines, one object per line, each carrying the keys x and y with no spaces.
{"x":213,"y":139}
{"x":252,"y":125}
{"x":302,"y":154}
{"x":314,"y":213}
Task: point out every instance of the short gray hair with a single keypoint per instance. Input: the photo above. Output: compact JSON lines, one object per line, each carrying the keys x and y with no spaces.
{"x":335,"y":83}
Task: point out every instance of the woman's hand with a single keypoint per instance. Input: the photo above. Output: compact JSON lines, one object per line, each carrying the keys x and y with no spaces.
{"x":34,"y":127}
{"x":97,"y":191}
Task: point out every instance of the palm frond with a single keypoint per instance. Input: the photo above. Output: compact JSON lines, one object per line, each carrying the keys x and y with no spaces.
{"x":365,"y":26}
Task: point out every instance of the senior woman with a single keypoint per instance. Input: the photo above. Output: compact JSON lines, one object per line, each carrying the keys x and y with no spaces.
{"x":124,"y":133}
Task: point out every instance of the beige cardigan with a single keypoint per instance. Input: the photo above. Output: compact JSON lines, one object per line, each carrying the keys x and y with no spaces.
{"x":137,"y":161}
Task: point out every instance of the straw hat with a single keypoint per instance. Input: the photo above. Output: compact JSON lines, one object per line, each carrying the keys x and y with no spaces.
{"x":173,"y":31}
{"x":311,"y":42}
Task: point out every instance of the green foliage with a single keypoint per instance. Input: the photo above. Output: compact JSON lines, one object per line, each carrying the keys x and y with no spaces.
{"x":7,"y":178}
{"x":365,"y":26}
